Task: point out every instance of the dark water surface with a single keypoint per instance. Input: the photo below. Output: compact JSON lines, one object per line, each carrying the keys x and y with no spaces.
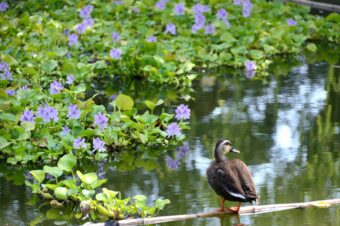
{"x":288,"y":132}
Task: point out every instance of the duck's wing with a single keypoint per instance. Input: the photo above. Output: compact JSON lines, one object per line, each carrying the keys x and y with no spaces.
{"x":245,"y":178}
{"x":229,"y":182}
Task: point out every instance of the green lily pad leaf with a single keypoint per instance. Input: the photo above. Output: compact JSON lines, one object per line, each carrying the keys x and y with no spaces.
{"x":256,"y":54}
{"x":101,"y":197}
{"x":28,"y":126}
{"x":29,"y":70}
{"x":61,"y":51}
{"x":70,"y":183}
{"x":124,"y":102}
{"x":88,"y":178}
{"x":109,"y":193}
{"x":140,"y":198}
{"x":53,"y":214}
{"x":3,"y":143}
{"x":39,"y":175}
{"x":8,"y":117}
{"x":69,"y":68}
{"x":81,"y":88}
{"x":18,"y":133}
{"x":8,"y":59}
{"x":312,"y":47}
{"x":49,"y":66}
{"x":61,"y":193}
{"x":54,"y":171}
{"x":67,"y":162}
{"x":160,"y":203}
{"x":151,"y":105}
{"x":88,"y":193}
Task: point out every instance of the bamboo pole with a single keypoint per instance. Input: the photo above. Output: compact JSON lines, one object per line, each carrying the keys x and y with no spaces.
{"x":317,"y":5}
{"x":243,"y":211}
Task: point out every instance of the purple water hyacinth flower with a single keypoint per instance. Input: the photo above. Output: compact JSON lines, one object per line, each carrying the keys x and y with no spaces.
{"x":170,"y":28}
{"x":152,"y":38}
{"x":113,"y":97}
{"x":115,"y":54}
{"x":195,"y":28}
{"x":98,"y":145}
{"x":227,"y":24}
{"x":100,"y":120}
{"x":117,"y":2}
{"x":250,"y":69}
{"x":53,"y":113}
{"x":209,"y":29}
{"x":221,"y":14}
{"x":115,"y":36}
{"x":68,"y":55}
{"x":81,"y":28}
{"x":291,"y":22}
{"x":56,"y":87}
{"x":172,"y":163}
{"x":3,"y":66}
{"x":72,"y":39}
{"x":79,"y":143}
{"x":6,"y":75}
{"x":182,"y":112}
{"x":160,"y":5}
{"x":173,"y":129}
{"x":200,"y":9}
{"x":250,"y":65}
{"x":247,"y":5}
{"x":73,"y":112}
{"x":238,"y":2}
{"x":70,"y":79}
{"x":86,"y":11}
{"x":47,"y":113}
{"x":88,"y":22}
{"x":10,"y":92}
{"x":200,"y":20}
{"x":27,"y":116}
{"x":5,"y":72}
{"x":135,"y":10}
{"x":65,"y":131}
{"x":3,"y":6}
{"x":179,"y":9}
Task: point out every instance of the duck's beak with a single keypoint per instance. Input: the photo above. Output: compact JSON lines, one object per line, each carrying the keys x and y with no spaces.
{"x":234,"y":150}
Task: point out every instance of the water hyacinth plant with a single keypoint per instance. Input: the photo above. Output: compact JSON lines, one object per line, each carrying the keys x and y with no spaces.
{"x":224,"y":33}
{"x":63,"y":183}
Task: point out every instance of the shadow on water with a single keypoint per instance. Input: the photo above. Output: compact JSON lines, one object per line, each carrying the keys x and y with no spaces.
{"x":287,"y":128}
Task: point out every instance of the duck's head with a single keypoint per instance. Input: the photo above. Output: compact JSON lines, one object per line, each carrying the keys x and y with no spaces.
{"x":223,"y":147}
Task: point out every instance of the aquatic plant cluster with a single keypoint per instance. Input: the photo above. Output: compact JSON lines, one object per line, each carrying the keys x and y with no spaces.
{"x":50,"y":53}
{"x":63,"y":183}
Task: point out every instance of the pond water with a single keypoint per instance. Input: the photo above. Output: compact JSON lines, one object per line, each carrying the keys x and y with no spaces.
{"x":288,"y":132}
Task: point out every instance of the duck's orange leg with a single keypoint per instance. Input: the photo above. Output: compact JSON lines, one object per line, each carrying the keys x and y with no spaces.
{"x":236,"y":209}
{"x":222,"y":204}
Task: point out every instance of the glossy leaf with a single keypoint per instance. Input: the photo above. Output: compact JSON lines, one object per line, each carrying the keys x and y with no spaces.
{"x":67,"y":162}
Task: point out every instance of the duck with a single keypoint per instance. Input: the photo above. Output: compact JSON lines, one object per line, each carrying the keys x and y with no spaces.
{"x":230,"y":179}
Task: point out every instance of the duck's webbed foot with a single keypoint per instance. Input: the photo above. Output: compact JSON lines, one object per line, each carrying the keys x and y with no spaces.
{"x":235,"y":209}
